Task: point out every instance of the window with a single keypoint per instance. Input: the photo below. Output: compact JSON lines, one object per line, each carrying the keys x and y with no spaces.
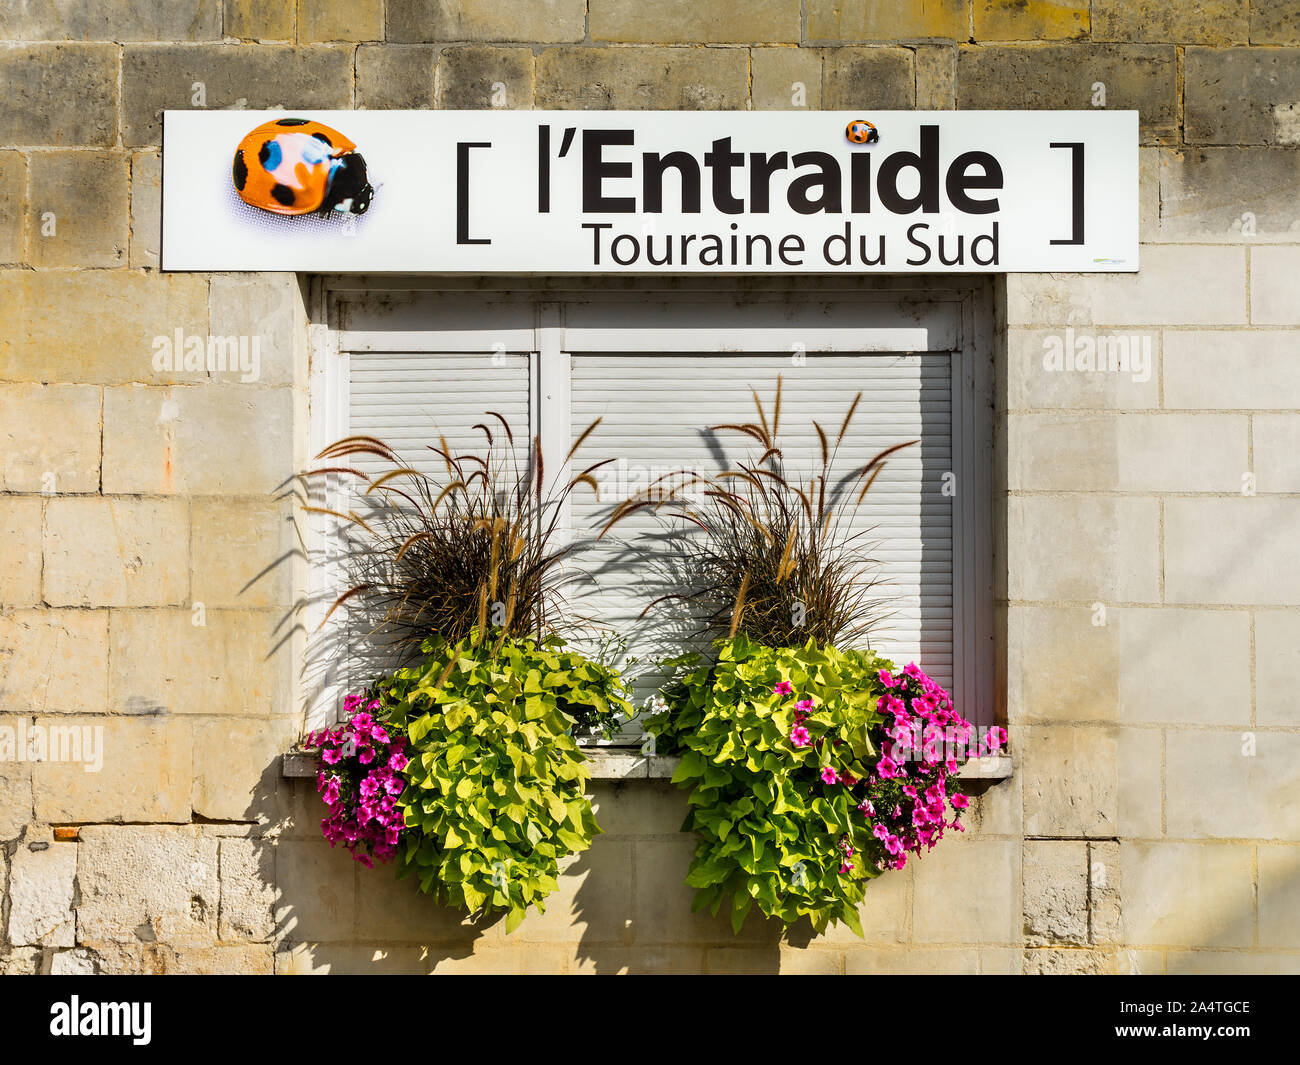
{"x":658,"y":366}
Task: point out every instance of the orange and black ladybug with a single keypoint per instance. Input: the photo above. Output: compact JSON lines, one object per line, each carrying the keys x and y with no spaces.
{"x":296,"y":166}
{"x":860,"y":131}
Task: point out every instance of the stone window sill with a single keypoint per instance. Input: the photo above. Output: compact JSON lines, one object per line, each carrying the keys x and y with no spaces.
{"x":614,"y":763}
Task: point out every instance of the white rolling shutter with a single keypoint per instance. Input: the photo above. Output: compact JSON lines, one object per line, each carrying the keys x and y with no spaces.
{"x":408,"y":399}
{"x":654,"y":408}
{"x":659,"y":367}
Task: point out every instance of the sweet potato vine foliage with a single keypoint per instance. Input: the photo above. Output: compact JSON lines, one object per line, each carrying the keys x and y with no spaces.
{"x":811,"y":770}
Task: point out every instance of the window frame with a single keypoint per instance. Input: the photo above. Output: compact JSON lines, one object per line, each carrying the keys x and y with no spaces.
{"x":532,"y":315}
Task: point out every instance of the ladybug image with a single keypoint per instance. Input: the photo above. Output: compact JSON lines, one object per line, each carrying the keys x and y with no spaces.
{"x":860,"y":131}
{"x":294,"y":166}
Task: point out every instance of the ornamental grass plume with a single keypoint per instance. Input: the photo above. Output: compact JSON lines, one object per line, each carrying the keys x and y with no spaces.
{"x":766,"y":552}
{"x":477,"y":545}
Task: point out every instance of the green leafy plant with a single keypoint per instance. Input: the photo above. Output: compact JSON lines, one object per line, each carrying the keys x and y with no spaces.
{"x":475,"y":544}
{"x":763,"y":551}
{"x":495,"y":782}
{"x":810,"y":771}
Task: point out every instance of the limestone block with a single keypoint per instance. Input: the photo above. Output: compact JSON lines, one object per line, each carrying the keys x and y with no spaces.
{"x":936,"y":77}
{"x":478,"y":77}
{"x":1246,"y":561}
{"x":1232,"y":784}
{"x":111,"y":20}
{"x":15,"y":791}
{"x":1037,"y":379}
{"x":638,"y":79}
{"x":260,"y":20}
{"x":1233,"y":195}
{"x":1055,"y":962}
{"x":13,"y":206}
{"x":639,"y":960}
{"x":395,"y":75}
{"x":43,"y":336}
{"x":638,"y":809}
{"x":1166,"y":676}
{"x":242,"y":959}
{"x":1070,"y":780}
{"x":53,"y":661}
{"x":1139,"y":77}
{"x":212,"y":439}
{"x":1175,"y":21}
{"x":1232,"y":963}
{"x":967,"y":891}
{"x":266,"y":306}
{"x":1063,"y":666}
{"x":1232,"y":369}
{"x":145,"y":775}
{"x":42,"y":887}
{"x":1139,"y":797}
{"x":20,"y":530}
{"x":102,"y":551}
{"x":79,"y":962}
{"x":164,"y":663}
{"x":163,"y":76}
{"x":1274,"y":290}
{"x":78,"y":210}
{"x":147,"y":883}
{"x":912,"y":961}
{"x":594,"y":903}
{"x":1111,"y":552}
{"x":417,"y":21}
{"x":1242,"y":96}
{"x":1279,"y":897}
{"x":662,"y":912}
{"x":1177,"y":285}
{"x":59,"y":94}
{"x":1274,"y":22}
{"x":340,"y":20}
{"x":146,"y":210}
{"x":1105,"y":893}
{"x":237,"y":766}
{"x":1128,"y":452}
{"x":49,"y":438}
{"x":247,"y":875}
{"x":687,"y":22}
{"x":786,"y":79}
{"x":1031,"y":20}
{"x":318,"y":891}
{"x":885,"y":76}
{"x":880,"y":20}
{"x":1277,"y":656}
{"x":20,"y":961}
{"x":1055,"y":892}
{"x":242,"y":551}
{"x":1276,"y":440}
{"x":1187,"y":895}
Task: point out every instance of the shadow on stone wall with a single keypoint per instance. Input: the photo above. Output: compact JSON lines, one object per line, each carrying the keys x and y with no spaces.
{"x":621,"y":907}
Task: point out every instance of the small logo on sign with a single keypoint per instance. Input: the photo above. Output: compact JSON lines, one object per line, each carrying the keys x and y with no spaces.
{"x":860,"y":131}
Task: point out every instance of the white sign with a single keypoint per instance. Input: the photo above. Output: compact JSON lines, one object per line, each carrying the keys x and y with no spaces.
{"x":581,"y":192}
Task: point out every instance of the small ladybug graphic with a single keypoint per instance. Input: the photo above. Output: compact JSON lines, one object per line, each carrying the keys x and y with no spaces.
{"x":860,"y":131}
{"x":294,"y":166}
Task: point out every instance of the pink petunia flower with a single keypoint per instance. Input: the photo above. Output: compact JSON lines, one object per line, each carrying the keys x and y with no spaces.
{"x":800,"y":736}
{"x":783,"y":688}
{"x":829,"y":776}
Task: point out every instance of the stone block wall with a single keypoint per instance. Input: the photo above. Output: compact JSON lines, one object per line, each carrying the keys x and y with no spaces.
{"x":1148,"y":519}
